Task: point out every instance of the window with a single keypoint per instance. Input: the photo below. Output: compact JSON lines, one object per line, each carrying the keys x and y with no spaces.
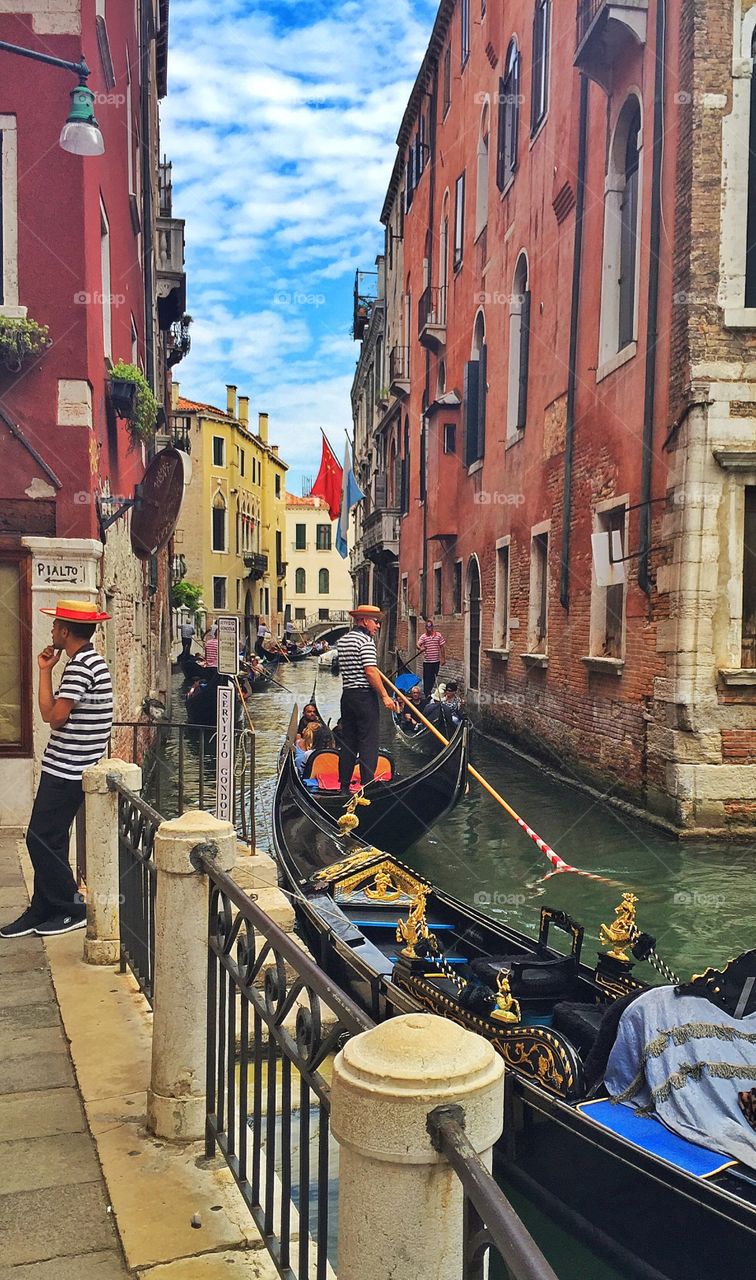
{"x":608,"y":589}
{"x":748,"y":642}
{"x":509,"y":117}
{"x":446,"y":82}
{"x":450,"y":437}
{"x":129,"y":128}
{"x":279,"y":600}
{"x":475,"y":390}
{"x":300,"y":537}
{"x":278,"y":486}
{"x":238,"y":595}
{"x":457,"y":587}
{"x":135,"y":346}
{"x":8,"y":213}
{"x":519,"y":349}
{"x":107,"y":339}
{"x":323,"y":615}
{"x":459,"y":221}
{"x":423,"y":460}
{"x":323,"y":537}
{"x":404,"y":504}
{"x":501,"y":602}
{"x":464,"y":32}
{"x":539,"y":593}
{"x":300,"y":582}
{"x":300,"y":614}
{"x":219,"y":451}
{"x":242,"y":461}
{"x":219,"y":523}
{"x":539,"y":103}
{"x":617,"y":329}
{"x":219,"y":593}
{"x":405,"y":596}
{"x":15,"y":656}
{"x":324,"y":582}
{"x":481,"y":190}
{"x":437,"y":589}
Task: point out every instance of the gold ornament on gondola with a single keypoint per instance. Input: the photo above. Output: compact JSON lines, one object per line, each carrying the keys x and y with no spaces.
{"x":415,"y":927}
{"x":349,"y":821}
{"x":383,"y":888}
{"x":620,"y":933}
{"x":507,"y":1008}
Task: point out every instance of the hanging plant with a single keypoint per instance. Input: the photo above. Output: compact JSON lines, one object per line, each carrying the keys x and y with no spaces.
{"x":136,"y":402}
{"x":19,"y":340}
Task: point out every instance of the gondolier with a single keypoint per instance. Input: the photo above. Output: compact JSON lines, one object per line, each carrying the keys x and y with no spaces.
{"x":432,"y":646}
{"x":363,"y":691}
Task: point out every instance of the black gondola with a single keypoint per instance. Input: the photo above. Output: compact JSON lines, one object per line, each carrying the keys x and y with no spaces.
{"x":628,"y":1200}
{"x":402,"y":809}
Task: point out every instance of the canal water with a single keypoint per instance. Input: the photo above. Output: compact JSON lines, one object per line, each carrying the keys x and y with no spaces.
{"x":697,"y":898}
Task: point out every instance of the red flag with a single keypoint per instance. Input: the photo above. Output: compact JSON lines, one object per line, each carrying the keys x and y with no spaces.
{"x":328,"y":484}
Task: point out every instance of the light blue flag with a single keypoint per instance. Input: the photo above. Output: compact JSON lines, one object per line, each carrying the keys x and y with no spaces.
{"x":351,"y":494}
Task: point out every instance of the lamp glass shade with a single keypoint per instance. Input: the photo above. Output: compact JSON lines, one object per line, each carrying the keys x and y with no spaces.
{"x":81,"y":133}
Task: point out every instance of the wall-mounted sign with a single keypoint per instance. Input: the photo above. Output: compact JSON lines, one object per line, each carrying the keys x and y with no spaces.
{"x":158,"y":504}
{"x":224,"y":768}
{"x":228,"y":645}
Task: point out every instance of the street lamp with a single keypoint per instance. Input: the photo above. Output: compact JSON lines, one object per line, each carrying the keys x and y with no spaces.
{"x":80,"y":134}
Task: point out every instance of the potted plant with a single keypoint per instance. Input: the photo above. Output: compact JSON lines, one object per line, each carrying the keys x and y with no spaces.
{"x":132,"y":398}
{"x":19,"y":340}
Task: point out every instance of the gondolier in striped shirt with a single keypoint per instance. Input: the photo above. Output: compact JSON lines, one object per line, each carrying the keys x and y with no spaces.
{"x":363,"y":692}
{"x":81,"y":717}
{"x":433,"y":648}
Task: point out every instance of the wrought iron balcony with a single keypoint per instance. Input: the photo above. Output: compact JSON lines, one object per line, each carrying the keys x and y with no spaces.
{"x":256,"y":563}
{"x":365,"y":295}
{"x":171,"y":277}
{"x":380,"y":533}
{"x":281,"y":567}
{"x":606,"y":30}
{"x":399,"y":379}
{"x":431,"y":317}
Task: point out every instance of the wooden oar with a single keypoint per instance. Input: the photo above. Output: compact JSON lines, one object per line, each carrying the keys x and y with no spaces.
{"x":558,"y":863}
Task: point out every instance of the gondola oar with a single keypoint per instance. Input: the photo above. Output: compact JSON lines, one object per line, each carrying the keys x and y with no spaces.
{"x":557,"y":863}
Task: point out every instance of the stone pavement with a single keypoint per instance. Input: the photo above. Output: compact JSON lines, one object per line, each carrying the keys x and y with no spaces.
{"x":55,"y":1222}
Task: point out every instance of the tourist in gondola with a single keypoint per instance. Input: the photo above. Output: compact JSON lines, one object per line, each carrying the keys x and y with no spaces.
{"x":450,"y":705}
{"x":410,"y":722}
{"x":363,"y":693}
{"x":309,"y":715}
{"x":432,"y":646}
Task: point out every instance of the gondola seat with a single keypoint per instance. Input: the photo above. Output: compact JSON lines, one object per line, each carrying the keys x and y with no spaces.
{"x":324,"y":767}
{"x":530,"y":977}
{"x":579,"y":1022}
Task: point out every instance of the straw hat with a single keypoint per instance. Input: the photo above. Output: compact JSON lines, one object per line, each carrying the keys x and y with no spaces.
{"x":366,"y":611}
{"x":76,"y":611}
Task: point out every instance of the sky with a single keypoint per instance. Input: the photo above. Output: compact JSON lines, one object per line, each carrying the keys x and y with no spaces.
{"x":281,"y":122}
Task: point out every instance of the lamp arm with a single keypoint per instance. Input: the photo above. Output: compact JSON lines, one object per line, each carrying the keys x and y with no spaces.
{"x":79,"y":68}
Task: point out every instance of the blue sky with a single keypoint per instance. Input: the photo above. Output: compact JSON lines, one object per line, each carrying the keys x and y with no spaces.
{"x":281,"y":124}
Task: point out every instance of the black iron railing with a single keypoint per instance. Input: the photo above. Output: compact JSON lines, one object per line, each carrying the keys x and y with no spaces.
{"x":431,"y":309}
{"x":268,"y":1104}
{"x":399,"y":364}
{"x":490,"y":1224}
{"x":586,"y":13}
{"x":137,"y":824}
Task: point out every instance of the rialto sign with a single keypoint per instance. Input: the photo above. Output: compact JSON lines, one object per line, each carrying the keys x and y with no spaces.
{"x":70,"y":573}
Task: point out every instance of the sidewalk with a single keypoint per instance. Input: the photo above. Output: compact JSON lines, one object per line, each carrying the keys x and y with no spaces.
{"x":55,"y":1222}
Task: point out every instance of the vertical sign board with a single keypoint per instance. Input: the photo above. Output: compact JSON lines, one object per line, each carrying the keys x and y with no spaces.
{"x":228,"y":646}
{"x":224,"y":768}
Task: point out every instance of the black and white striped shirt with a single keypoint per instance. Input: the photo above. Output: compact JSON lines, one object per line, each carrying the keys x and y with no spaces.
{"x":82,"y":740}
{"x":356,"y":651}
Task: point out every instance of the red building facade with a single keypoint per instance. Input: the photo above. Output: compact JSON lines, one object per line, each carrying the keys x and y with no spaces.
{"x":567,"y":298}
{"x":91,"y":252}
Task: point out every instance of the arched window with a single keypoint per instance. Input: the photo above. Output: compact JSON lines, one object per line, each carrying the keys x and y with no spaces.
{"x":423,"y":448}
{"x":472,"y":620}
{"x":323,"y":582}
{"x":405,"y":489}
{"x":519,"y":349}
{"x":300,"y":582}
{"x":509,"y":117}
{"x":443,"y":244}
{"x":481,"y":189}
{"x":621,"y":229}
{"x":541,"y":36}
{"x":475,"y":395}
{"x":219,"y":523}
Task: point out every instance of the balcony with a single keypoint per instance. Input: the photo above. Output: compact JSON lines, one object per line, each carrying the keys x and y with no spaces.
{"x":365,"y":297}
{"x":606,"y":31}
{"x":380,"y":533}
{"x":399,"y":379}
{"x":171,"y":277}
{"x":255,"y":564}
{"x":431,"y":318}
{"x":281,"y":567}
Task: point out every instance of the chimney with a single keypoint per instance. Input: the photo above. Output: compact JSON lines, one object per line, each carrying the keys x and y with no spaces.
{"x":244,"y":411}
{"x":231,"y":399}
{"x":263,"y":428}
{"x":174,"y":395}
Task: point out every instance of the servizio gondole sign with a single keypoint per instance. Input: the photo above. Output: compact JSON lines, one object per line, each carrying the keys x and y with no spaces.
{"x":228,"y":665}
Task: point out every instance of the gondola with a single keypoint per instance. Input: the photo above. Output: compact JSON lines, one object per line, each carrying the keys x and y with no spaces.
{"x":193,"y":668}
{"x":402,"y":809}
{"x":687,"y":1213}
{"x":200,"y":699}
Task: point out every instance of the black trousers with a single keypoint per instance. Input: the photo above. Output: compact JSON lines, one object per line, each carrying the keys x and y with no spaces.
{"x":360,"y":715}
{"x":186,"y":647}
{"x":56,"y":804}
{"x":430,"y":671}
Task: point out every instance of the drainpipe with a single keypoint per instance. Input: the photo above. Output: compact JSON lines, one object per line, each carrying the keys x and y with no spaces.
{"x":652,"y":331}
{"x":564,"y":581}
{"x":424,"y":432}
{"x":145,"y":80}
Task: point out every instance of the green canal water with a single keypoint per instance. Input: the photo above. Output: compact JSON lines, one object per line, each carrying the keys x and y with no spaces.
{"x":697,"y":898}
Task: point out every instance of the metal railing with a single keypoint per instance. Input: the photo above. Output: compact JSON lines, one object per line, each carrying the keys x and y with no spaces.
{"x":137,"y":824}
{"x":399,"y":364}
{"x":268,"y":1104}
{"x":489,"y":1221}
{"x":431,"y":309}
{"x":586,"y":13}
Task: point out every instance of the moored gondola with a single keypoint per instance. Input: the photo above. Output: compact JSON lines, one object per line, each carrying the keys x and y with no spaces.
{"x":398,"y":944}
{"x":399,"y":809}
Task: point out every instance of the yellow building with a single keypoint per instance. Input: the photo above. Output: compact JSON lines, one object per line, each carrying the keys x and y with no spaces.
{"x":232,"y":526}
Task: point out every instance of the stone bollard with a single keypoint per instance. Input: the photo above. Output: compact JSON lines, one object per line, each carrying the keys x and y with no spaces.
{"x":102,"y":941}
{"x":176,"y":1096}
{"x":400,"y":1202}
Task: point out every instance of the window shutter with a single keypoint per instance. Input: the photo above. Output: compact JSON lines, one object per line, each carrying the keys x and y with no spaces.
{"x":501,"y":147}
{"x":380,"y":491}
{"x":471,"y":411}
{"x":522,"y":398}
{"x":398,"y":500}
{"x":481,"y":432}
